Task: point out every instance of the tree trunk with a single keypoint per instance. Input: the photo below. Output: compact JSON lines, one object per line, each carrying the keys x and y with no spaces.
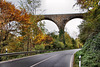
{"x":61,"y":36}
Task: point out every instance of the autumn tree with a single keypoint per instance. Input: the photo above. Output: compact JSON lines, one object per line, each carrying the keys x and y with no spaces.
{"x":91,"y":23}
{"x":9,"y":13}
{"x":28,"y":32}
{"x":42,"y":38}
{"x":30,"y":6}
{"x":68,"y":40}
{"x":32,"y":30}
{"x":27,"y":26}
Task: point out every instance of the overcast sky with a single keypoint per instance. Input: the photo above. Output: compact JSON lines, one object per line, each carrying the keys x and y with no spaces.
{"x":59,"y":7}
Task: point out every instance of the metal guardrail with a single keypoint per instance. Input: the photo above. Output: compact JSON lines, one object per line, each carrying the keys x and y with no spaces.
{"x":26,"y":52}
{"x":18,"y":53}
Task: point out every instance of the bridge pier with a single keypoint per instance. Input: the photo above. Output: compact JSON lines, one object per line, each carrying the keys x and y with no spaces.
{"x":61,"y":35}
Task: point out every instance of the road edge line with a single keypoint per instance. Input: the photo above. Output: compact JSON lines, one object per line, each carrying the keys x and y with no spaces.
{"x":43,"y":61}
{"x":72,"y":59}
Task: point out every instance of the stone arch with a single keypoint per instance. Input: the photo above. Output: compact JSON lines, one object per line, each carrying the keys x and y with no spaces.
{"x":70,"y":17}
{"x":46,"y":18}
{"x":61,"y":19}
{"x":73,"y":23}
{"x":73,"y":17}
{"x":50,"y":19}
{"x":52,"y":24}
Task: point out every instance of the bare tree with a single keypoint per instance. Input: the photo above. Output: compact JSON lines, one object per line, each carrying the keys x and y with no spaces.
{"x":30,"y":5}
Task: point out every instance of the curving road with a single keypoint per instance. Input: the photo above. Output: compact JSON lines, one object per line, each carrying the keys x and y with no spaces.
{"x":55,"y":59}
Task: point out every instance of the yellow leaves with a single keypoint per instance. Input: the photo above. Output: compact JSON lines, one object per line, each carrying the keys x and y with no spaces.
{"x":29,"y":23}
{"x":26,"y":17}
{"x":86,"y":4}
{"x":12,"y":47}
{"x":10,"y":13}
{"x":41,"y":38}
{"x":21,"y":38}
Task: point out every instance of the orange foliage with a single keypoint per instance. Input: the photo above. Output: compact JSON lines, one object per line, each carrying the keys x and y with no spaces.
{"x":41,"y":38}
{"x":20,"y":38}
{"x":10,"y":13}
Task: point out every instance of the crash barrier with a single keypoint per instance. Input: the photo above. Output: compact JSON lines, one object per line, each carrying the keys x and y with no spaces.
{"x":26,"y":53}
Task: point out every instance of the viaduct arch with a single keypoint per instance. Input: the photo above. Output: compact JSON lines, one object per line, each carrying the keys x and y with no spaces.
{"x":60,"y":20}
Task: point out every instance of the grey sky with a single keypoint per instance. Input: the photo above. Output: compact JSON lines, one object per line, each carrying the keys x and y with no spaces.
{"x":55,"y":6}
{"x":59,"y":7}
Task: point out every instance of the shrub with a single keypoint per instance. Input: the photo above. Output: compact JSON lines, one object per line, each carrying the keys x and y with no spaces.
{"x":57,"y":44}
{"x":39,"y":47}
{"x":90,"y":52}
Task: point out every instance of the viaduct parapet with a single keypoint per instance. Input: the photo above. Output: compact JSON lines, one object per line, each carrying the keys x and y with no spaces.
{"x":61,"y":19}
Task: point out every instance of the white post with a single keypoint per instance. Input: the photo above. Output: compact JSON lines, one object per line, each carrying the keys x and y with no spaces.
{"x":99,"y":3}
{"x":6,"y":50}
{"x":79,"y":61}
{"x":6,"y":53}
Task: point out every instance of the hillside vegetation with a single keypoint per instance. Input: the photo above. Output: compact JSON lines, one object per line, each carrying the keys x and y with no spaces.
{"x":89,"y":34}
{"x":90,"y":53}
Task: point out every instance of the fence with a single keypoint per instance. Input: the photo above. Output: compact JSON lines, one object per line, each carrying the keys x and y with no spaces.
{"x":26,"y":53}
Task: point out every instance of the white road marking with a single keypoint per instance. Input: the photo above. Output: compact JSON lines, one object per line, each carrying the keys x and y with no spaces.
{"x":43,"y":61}
{"x":19,"y":58}
{"x":71,"y":61}
{"x":72,"y":57}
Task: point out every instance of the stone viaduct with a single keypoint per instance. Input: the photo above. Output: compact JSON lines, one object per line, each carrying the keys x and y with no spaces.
{"x":61,"y":19}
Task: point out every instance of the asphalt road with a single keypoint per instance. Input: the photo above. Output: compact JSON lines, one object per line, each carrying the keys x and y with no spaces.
{"x":55,"y":59}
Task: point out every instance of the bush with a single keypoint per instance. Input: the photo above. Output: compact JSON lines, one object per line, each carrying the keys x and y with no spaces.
{"x":61,"y":45}
{"x":57,"y":44}
{"x":90,"y":52}
{"x":39,"y":47}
